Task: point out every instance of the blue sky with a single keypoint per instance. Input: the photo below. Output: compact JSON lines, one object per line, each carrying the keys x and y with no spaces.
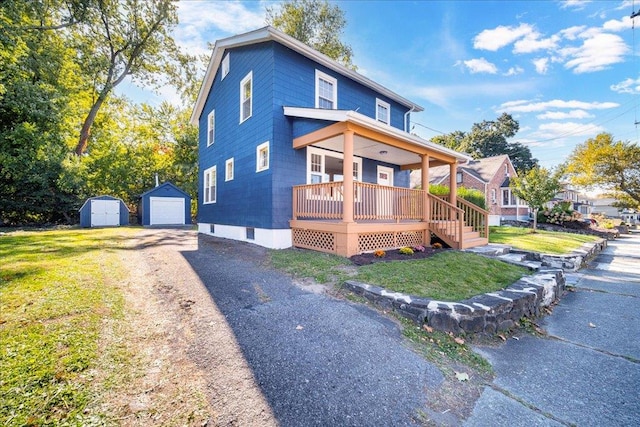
{"x":566,"y":70}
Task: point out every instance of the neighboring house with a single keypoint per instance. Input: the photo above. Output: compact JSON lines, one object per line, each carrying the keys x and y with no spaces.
{"x":491,"y":176}
{"x":297,"y":150}
{"x":604,"y":206}
{"x":579,"y":202}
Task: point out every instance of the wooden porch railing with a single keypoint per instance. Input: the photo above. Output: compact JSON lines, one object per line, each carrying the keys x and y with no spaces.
{"x":475,"y":217}
{"x":447,"y":219}
{"x":371,"y":202}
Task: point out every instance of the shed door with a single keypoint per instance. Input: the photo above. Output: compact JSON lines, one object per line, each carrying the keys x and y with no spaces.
{"x":166,"y":210}
{"x":105,"y":213}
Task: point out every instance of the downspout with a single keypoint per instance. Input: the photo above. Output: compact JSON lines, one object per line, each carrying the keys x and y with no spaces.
{"x":406,"y":117}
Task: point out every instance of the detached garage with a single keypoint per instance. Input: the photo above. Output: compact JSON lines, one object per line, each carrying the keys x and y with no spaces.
{"x":165,"y":205}
{"x":104,"y":211}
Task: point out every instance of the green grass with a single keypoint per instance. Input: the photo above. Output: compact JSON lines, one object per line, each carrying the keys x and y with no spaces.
{"x":56,"y":289}
{"x":549,"y":242}
{"x":448,"y":276}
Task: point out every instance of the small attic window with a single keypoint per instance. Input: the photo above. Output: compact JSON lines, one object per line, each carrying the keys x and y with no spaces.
{"x":225,"y":66}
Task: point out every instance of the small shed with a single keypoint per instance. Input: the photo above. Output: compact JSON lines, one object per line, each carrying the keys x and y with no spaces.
{"x":165,"y":204}
{"x":104,"y":211}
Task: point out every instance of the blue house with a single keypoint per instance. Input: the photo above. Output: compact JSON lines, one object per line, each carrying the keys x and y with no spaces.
{"x":165,"y":204}
{"x":297,"y":150}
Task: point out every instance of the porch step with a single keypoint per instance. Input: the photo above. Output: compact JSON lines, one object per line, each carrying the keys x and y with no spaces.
{"x":472,"y":243}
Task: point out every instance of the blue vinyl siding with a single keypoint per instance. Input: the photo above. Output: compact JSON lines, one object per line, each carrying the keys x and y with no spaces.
{"x":281,"y":77}
{"x":166,"y":189}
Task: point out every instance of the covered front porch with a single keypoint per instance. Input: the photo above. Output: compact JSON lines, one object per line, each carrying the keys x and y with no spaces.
{"x":348,"y":217}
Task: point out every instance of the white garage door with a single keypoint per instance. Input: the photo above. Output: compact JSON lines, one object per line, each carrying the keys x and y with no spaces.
{"x":105,"y":213}
{"x":166,"y":210}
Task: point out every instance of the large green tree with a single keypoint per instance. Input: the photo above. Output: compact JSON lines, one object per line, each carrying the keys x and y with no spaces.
{"x":603,"y":163}
{"x":490,"y":138}
{"x":315,"y":23}
{"x":536,"y":187}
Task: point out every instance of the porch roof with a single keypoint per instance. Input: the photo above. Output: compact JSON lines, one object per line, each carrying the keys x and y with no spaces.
{"x":372,"y":139}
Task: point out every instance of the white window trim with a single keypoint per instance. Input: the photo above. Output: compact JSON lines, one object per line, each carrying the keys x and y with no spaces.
{"x":321,"y":152}
{"x":511,"y":196}
{"x":225,"y":66}
{"x":381,"y":103}
{"x":334,"y":81}
{"x":227,"y":176}
{"x":259,"y":148}
{"x":211,"y":128}
{"x":247,"y":78}
{"x":211,"y":173}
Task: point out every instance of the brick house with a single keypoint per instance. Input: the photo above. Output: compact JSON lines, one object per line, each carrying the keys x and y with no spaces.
{"x":491,"y":176}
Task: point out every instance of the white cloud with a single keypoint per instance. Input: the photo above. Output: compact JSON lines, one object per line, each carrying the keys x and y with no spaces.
{"x":480,"y":65}
{"x":532,"y":43}
{"x":542,"y":65}
{"x":627,"y":86}
{"x":500,"y":37}
{"x":597,"y":52}
{"x":572,"y":33}
{"x":575,"y":4}
{"x":532,"y":107}
{"x":446,"y":96}
{"x":560,"y":115}
{"x":514,"y":71}
{"x":556,"y":129}
{"x":616,"y":26}
{"x":204,"y":22}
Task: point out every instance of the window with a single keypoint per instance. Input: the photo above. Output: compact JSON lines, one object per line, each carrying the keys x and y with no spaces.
{"x":382,"y":111}
{"x":326,"y":91}
{"x":225,"y":66}
{"x":326,"y":166}
{"x":458,"y":177}
{"x":508,"y":198}
{"x":228,"y":168}
{"x":246,"y":94}
{"x":210,"y":185}
{"x":262,"y":157}
{"x":211,"y":127}
{"x":493,"y":196}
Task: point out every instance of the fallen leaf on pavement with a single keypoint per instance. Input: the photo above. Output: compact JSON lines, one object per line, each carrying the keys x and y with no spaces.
{"x":502,"y":337}
{"x":299,"y":327}
{"x":591,"y":325}
{"x":459,"y":340}
{"x":462,"y":376}
{"x":428,"y":328}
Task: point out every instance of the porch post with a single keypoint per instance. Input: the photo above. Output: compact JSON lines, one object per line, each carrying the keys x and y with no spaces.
{"x":425,"y":187}
{"x":453,"y":187}
{"x":347,"y":173}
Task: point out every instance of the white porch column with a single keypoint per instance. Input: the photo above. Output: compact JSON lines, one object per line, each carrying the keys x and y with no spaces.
{"x":453,"y":187}
{"x":425,"y":187}
{"x":347,"y":173}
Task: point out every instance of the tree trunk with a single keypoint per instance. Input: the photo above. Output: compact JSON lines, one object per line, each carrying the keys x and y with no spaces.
{"x":535,"y":220}
{"x":88,"y":122}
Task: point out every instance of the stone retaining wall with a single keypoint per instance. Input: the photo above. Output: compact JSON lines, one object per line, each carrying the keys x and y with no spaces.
{"x":487,"y":313}
{"x":571,"y":262}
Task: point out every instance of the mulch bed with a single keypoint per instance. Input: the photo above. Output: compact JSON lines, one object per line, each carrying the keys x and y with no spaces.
{"x":393,"y":255}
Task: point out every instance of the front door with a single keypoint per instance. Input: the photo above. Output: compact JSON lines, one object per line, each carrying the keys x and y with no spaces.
{"x":384,"y":196}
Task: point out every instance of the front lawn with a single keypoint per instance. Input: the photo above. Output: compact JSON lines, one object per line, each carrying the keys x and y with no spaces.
{"x":549,"y":242}
{"x":447,"y":276}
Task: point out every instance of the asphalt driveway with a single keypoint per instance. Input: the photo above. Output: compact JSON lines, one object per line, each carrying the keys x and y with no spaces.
{"x":319,"y":361}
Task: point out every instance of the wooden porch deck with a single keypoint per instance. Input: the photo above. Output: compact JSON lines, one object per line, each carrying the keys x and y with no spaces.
{"x":383,"y":218}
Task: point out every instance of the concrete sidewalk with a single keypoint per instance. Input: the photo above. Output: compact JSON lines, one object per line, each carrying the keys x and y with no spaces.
{"x":586,"y":372}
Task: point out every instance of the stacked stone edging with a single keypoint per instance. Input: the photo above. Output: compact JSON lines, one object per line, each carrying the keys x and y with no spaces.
{"x":487,"y":313}
{"x":571,"y":262}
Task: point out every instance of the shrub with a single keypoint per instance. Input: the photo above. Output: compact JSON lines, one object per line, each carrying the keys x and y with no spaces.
{"x":406,"y":251}
{"x":469,"y":194}
{"x":560,"y":214}
{"x":437,"y":245}
{"x":379,"y":253}
{"x":418,"y":248}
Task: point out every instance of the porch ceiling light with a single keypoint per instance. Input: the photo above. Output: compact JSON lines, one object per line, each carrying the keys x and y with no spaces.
{"x":383,"y":152}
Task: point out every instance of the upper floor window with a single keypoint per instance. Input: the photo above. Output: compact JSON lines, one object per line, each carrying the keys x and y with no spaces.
{"x":211,"y":127}
{"x":246,"y":95}
{"x":228,"y":168}
{"x":458,"y":177}
{"x":326,"y":91}
{"x":225,"y":66}
{"x":262,"y":157}
{"x":209,"y":187}
{"x":383,"y":110}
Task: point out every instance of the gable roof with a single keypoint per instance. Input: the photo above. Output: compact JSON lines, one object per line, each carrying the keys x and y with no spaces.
{"x":271,"y":34}
{"x":161,"y":186}
{"x":483,"y":169}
